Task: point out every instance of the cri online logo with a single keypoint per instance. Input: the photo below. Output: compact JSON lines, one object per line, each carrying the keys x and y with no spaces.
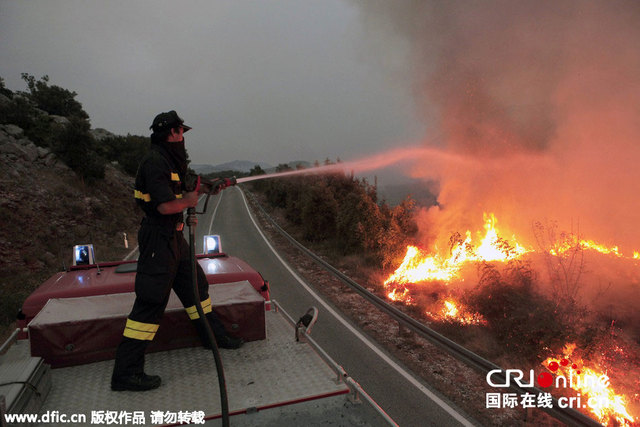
{"x":502,"y":378}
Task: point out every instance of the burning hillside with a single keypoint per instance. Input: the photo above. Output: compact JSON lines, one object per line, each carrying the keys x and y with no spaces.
{"x":446,"y":275}
{"x":535,"y":105}
{"x":533,"y":108}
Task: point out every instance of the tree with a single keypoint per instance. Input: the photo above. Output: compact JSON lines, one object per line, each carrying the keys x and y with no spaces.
{"x":53,"y":99}
{"x":343,"y":211}
{"x":23,"y":111}
{"x":256,"y":170}
{"x":564,"y":258}
{"x":522,"y":319}
{"x":76,"y":147}
{"x":358,"y":223}
{"x":3,"y":90}
{"x":283,"y":167}
{"x":318,"y":212}
{"x":399,"y":227}
{"x":127,"y":151}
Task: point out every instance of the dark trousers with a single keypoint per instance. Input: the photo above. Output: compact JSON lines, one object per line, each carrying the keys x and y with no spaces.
{"x":164,"y":264}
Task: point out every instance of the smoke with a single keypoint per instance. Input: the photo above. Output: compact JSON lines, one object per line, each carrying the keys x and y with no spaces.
{"x":542,"y":100}
{"x":542,"y":97}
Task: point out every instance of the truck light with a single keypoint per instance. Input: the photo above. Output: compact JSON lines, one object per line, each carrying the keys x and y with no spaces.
{"x":212,"y":244}
{"x":83,"y":255}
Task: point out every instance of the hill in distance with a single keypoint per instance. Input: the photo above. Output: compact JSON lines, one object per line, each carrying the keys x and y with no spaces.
{"x":243,"y":166}
{"x":236,"y":165}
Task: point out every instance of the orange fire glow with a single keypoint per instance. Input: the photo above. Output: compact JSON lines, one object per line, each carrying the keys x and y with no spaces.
{"x":572,"y":242}
{"x":418,"y":267}
{"x":403,"y":296}
{"x":593,"y":246}
{"x":608,"y":407}
{"x":457,"y":312}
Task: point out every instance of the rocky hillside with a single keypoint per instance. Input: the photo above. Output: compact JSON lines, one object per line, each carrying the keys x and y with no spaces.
{"x":46,"y":208}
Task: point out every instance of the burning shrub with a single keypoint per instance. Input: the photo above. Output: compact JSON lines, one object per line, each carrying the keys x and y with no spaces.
{"x":522,"y":320}
{"x":564,"y":259}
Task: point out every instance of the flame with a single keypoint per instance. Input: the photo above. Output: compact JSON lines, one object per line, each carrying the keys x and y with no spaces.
{"x":457,"y":312}
{"x":608,"y":407}
{"x":492,"y":248}
{"x":418,"y":267}
{"x":403,"y":296}
{"x":592,"y":246}
{"x":451,"y":310}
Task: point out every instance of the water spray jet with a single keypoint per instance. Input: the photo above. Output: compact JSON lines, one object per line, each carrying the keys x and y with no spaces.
{"x":375,"y":162}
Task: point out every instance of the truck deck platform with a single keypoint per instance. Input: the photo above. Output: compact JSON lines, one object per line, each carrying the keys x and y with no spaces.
{"x":276,"y":381}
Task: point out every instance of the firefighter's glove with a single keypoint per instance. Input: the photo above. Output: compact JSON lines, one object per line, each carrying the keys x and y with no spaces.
{"x":192,"y":182}
{"x":216,"y":187}
{"x":220,"y":184}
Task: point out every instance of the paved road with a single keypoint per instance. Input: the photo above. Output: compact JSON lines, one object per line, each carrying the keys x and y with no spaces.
{"x":406,"y":399}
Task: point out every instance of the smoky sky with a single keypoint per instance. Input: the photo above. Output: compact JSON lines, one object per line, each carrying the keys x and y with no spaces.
{"x":264,"y":81}
{"x":540,"y":99}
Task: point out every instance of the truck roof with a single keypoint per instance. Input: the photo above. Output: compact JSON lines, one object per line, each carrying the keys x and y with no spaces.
{"x":274,"y":379}
{"x":119,"y":277}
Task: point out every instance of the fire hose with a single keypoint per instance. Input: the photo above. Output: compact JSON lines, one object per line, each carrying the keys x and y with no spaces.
{"x":210,"y":187}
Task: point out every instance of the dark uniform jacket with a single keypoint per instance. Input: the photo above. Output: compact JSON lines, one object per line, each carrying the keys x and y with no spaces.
{"x":158,"y":181}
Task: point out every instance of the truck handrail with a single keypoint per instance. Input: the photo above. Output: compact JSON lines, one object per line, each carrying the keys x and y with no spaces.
{"x":357,"y":392}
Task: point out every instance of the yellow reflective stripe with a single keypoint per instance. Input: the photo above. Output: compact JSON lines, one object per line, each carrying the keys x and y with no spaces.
{"x":175,"y":177}
{"x":139,"y":330}
{"x":206,"y":305}
{"x":193,"y":311}
{"x":143,"y":196}
{"x":178,"y":196}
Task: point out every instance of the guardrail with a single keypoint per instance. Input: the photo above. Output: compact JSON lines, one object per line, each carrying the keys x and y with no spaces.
{"x":566,"y":415}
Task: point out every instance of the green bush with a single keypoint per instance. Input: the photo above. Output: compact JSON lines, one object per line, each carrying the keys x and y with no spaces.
{"x":77,"y":149}
{"x":3,"y":89}
{"x":318,"y":212}
{"x":126,"y":150}
{"x":343,"y":212}
{"x":22,"y":111}
{"x":53,"y":99}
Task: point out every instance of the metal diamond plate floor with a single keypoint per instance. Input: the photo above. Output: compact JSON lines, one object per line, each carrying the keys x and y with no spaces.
{"x":260,"y":374}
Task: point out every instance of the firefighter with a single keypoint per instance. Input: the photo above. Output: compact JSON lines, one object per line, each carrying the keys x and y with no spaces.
{"x":164,"y":262}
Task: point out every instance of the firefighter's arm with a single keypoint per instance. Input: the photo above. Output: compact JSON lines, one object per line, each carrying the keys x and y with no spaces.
{"x":188,"y":200}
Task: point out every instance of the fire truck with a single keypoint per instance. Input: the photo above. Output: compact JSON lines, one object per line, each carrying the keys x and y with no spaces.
{"x":56,"y":367}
